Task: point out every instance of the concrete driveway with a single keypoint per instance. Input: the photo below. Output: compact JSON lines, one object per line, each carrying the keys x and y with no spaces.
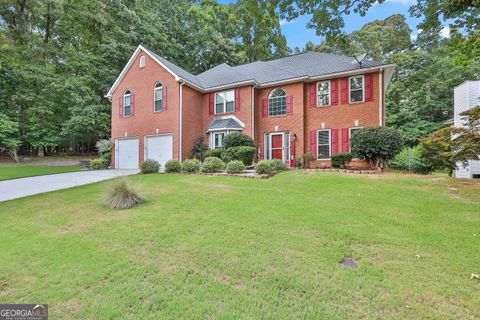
{"x":17,"y":188}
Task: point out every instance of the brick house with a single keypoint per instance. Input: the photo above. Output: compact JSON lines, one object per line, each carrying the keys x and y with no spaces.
{"x":310,"y":102}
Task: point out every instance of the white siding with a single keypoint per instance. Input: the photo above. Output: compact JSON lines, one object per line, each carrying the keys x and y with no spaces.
{"x":466,"y":96}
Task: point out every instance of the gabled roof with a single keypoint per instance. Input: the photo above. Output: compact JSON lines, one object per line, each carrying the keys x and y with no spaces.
{"x":229,"y":123}
{"x":306,"y":66}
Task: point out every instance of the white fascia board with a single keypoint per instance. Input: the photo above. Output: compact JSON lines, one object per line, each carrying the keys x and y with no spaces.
{"x":286,"y":81}
{"x":223,"y":129}
{"x":354,"y":72}
{"x":130,"y":62}
{"x":221,"y":88}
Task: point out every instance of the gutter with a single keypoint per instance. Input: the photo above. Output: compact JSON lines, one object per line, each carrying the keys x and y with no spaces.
{"x":352,"y":72}
{"x":253,"y":112}
{"x":180,"y":107}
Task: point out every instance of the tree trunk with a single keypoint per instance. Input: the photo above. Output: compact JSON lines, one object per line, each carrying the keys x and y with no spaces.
{"x":41,"y":151}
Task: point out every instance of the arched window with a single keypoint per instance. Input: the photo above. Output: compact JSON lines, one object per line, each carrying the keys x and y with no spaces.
{"x":142,"y":61}
{"x":157,"y":97}
{"x":126,"y":103}
{"x":277,"y":102}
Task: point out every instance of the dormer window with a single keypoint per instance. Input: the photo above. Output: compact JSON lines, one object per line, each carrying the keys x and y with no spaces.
{"x":142,"y":62}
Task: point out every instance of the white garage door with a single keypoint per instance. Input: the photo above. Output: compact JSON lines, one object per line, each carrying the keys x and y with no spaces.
{"x":127,"y":153}
{"x":159,"y":148}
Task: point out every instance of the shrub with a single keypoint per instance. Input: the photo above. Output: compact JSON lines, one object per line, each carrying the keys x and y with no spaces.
{"x":340,"y":159}
{"x":173,"y":166}
{"x":192,"y":165}
{"x":212,"y":164}
{"x":298,"y":162}
{"x":237,"y":139}
{"x":278,"y":165}
{"x":122,"y":195}
{"x":199,"y":148}
{"x":264,"y":166}
{"x":414,"y":162}
{"x":307,"y":158}
{"x":235,"y":166}
{"x":242,"y":153}
{"x":217,"y":152}
{"x":377,"y":145}
{"x":104,"y":148}
{"x":150,"y":166}
{"x":97,"y":164}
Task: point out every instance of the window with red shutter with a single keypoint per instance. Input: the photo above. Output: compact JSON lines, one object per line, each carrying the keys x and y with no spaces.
{"x":344,"y":89}
{"x":313,"y":95}
{"x":334,"y":141}
{"x":334,"y":91}
{"x":237,"y":99}
{"x":164,"y":98}
{"x":313,"y":143}
{"x":210,"y":103}
{"x":345,"y":140}
{"x":132,"y":104}
{"x":120,"y":106}
{"x":289,"y":104}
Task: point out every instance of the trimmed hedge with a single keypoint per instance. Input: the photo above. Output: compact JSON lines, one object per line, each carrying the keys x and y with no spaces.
{"x":97,"y":164}
{"x":235,"y":166}
{"x":269,"y":166}
{"x":150,"y":166}
{"x":173,"y":166}
{"x":212,"y":164}
{"x":340,"y":159}
{"x":243,"y":153}
{"x":191,"y":165}
{"x":217,"y":152}
{"x":237,"y":139}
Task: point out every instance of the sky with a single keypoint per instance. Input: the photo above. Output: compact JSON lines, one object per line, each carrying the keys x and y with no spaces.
{"x":298,"y":34}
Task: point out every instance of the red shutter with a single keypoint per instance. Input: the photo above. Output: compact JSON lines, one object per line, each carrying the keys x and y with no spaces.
{"x":164,"y":98}
{"x":345,"y":140}
{"x":132,"y":104}
{"x":344,"y":89}
{"x":210,"y":103}
{"x":334,"y":141}
{"x":264,"y":108}
{"x":289,"y":104}
{"x":120,"y":106}
{"x":313,"y":143}
{"x":369,"y":87}
{"x":313,"y":95}
{"x":237,"y":99}
{"x":334,"y":91}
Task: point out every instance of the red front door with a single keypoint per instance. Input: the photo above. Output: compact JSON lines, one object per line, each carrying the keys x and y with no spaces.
{"x":277,"y":146}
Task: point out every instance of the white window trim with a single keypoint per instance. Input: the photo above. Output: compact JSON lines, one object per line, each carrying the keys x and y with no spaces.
{"x":142,"y":62}
{"x":125,"y":95}
{"x":329,"y":144}
{"x":211,"y":139}
{"x":224,"y":102}
{"x":350,"y":138}
{"x":268,"y":103}
{"x":329,"y":94}
{"x":350,"y":89}
{"x":154,"y":92}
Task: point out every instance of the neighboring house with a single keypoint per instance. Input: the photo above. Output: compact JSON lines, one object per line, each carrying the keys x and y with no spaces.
{"x":310,"y":102}
{"x":466,"y":96}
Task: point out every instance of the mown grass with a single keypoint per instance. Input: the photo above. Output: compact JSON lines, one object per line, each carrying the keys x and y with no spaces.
{"x":226,"y":247}
{"x":21,"y":171}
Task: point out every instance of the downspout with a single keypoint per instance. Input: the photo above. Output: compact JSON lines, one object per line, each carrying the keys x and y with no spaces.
{"x":180,"y":107}
{"x":380,"y":97}
{"x":253,"y":112}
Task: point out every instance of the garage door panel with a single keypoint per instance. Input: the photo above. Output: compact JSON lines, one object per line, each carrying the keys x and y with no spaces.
{"x":159,"y":148}
{"x":127,"y":153}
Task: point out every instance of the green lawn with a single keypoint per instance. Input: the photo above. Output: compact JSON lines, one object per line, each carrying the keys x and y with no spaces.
{"x":21,"y":171}
{"x":208,"y":247}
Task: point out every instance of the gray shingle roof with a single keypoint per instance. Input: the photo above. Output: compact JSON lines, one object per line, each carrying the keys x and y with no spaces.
{"x":308,"y":64}
{"x":224,"y":123}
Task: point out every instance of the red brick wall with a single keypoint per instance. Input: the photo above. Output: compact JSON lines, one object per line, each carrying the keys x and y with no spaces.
{"x":141,"y":81}
{"x":192,"y":119}
{"x":342,"y":116}
{"x":292,"y":123}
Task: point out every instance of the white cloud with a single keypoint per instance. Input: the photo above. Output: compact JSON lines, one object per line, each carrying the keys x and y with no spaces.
{"x":445,"y":32}
{"x":284,"y":22}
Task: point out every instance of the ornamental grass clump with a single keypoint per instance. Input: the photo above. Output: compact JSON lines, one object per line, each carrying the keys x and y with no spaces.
{"x":122,"y":195}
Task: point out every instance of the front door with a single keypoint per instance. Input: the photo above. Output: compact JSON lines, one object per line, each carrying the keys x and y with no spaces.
{"x":276,"y":146}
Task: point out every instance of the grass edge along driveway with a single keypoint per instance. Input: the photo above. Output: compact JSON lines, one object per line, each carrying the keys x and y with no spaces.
{"x":8,"y":172}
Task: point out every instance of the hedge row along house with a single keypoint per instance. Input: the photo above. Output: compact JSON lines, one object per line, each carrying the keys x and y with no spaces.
{"x":310,"y":102}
